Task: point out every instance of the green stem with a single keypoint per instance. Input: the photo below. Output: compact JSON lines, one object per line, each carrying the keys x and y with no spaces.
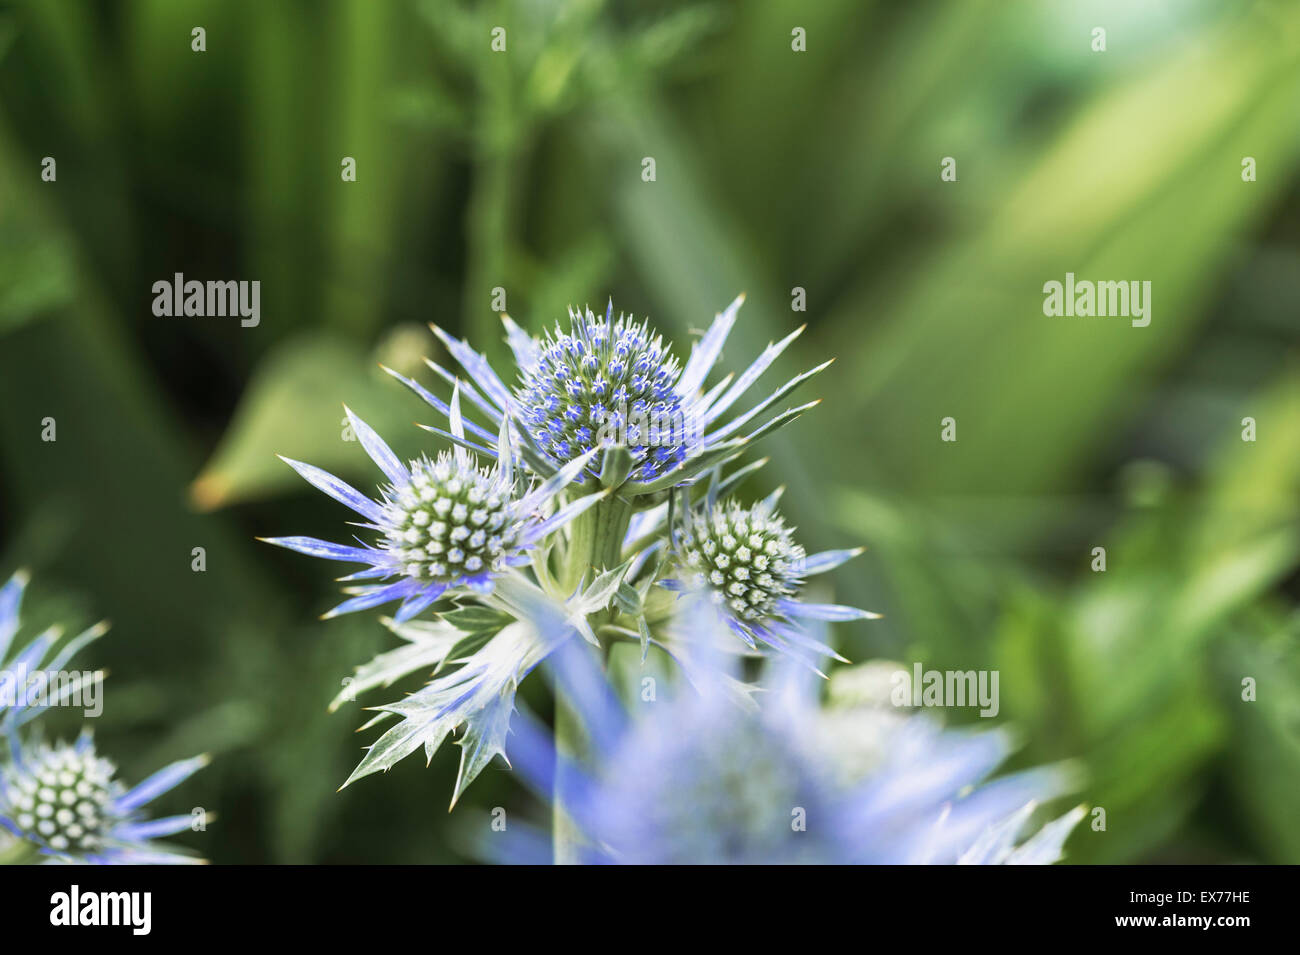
{"x":20,"y":852}
{"x":571,"y":745}
{"x":595,"y":541}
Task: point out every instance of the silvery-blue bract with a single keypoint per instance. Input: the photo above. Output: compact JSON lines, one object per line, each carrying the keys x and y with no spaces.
{"x":442,"y":526}
{"x":42,"y":653}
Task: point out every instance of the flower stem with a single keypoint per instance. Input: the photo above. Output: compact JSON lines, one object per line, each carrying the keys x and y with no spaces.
{"x":571,"y":744}
{"x":20,"y":852}
{"x":595,"y":541}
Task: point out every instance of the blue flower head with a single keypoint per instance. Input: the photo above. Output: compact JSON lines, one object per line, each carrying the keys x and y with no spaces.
{"x":612,"y":382}
{"x":67,"y":802}
{"x":609,"y":378}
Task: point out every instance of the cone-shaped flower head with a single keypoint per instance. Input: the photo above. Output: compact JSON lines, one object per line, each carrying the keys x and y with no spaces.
{"x":64,"y":798}
{"x":749,"y":563}
{"x":605,"y":377}
{"x":66,"y":801}
{"x":450,"y":521}
{"x":746,"y":557}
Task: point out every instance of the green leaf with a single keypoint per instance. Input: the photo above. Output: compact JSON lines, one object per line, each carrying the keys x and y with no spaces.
{"x":615,"y":465}
{"x":474,"y":619}
{"x":644,"y":628}
{"x":627,"y":599}
{"x":294,"y":406}
{"x":602,"y":589}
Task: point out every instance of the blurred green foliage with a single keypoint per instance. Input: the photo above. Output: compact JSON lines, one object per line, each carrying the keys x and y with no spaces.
{"x":774,"y":169}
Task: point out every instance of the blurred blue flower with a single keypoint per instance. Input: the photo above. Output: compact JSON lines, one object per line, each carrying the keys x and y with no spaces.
{"x":696,"y":778}
{"x":610,"y":381}
{"x":445,"y":524}
{"x":65,"y":801}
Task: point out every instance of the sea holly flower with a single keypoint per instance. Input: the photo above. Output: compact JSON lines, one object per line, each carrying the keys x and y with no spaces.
{"x":42,"y":653}
{"x":748,"y":562}
{"x":609,"y":381}
{"x":63,"y":802}
{"x":447,"y":528}
{"x":444,"y":525}
{"x":694,"y":778}
{"x":66,"y":803}
{"x":602,"y":404}
{"x":606,"y":379}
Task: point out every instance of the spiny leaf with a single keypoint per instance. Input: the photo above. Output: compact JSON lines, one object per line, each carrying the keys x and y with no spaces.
{"x":473,"y":619}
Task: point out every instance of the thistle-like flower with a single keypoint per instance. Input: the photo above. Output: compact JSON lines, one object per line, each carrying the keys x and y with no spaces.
{"x":749,"y":563}
{"x":63,"y":801}
{"x":603,"y":386}
{"x":67,"y":804}
{"x":606,"y":377}
{"x":610,"y":381}
{"x":697,"y":779}
{"x":444,"y":525}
